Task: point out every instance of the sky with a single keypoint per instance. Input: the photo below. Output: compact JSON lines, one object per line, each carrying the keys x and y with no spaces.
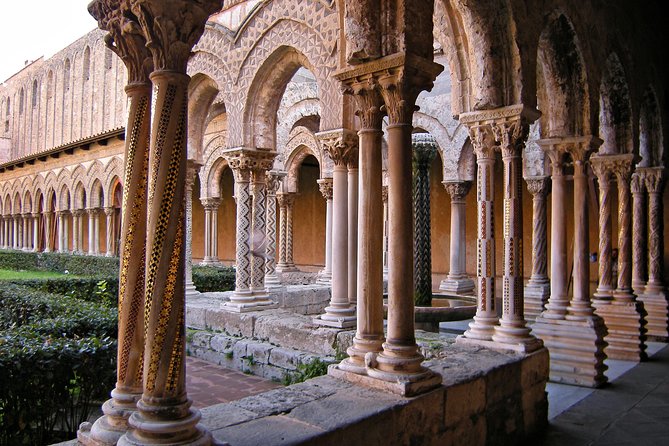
{"x":33,"y":28}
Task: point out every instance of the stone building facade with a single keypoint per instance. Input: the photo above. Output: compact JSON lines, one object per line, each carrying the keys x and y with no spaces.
{"x":535,"y":113}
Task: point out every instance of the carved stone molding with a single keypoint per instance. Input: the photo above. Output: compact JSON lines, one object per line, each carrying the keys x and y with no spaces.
{"x":341,"y":145}
{"x":538,"y":185}
{"x":325,"y":186}
{"x":457,"y":190}
{"x":246,"y":162}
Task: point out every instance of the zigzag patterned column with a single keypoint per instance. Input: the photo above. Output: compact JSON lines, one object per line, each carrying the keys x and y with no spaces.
{"x":274,"y":179}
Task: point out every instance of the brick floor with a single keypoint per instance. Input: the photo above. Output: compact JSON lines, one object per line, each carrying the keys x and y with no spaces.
{"x":208,"y":384}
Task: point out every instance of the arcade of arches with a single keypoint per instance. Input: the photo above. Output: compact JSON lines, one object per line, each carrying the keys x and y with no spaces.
{"x":282,"y":136}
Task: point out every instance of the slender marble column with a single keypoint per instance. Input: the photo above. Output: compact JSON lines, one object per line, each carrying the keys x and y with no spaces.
{"x":125,"y":39}
{"x":401,"y":359}
{"x":623,"y":171}
{"x":511,"y":134}
{"x":369,"y":333}
{"x":580,"y":306}
{"x":603,"y":173}
{"x":3,"y":233}
{"x":340,"y":313}
{"x":457,"y":281}
{"x":190,"y":179}
{"x":384,"y":193}
{"x":165,"y":415}
{"x":92,"y":223}
{"x":77,"y":231}
{"x":210,"y":230}
{"x":48,"y":237}
{"x":60,"y":215}
{"x":639,"y":237}
{"x":556,"y":308}
{"x":109,"y":213}
{"x":537,"y":289}
{"x":26,"y":231}
{"x":274,"y":179}
{"x":353,"y":227}
{"x":325,"y":187}
{"x":18,"y":231}
{"x":36,"y":238}
{"x":424,"y":150}
{"x":486,"y":313}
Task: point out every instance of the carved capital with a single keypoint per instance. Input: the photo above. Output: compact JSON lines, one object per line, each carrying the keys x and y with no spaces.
{"x":483,"y":141}
{"x":637,"y":183}
{"x":511,"y":136}
{"x":173,"y":28}
{"x":125,"y":37}
{"x":210,"y":204}
{"x":457,"y":190}
{"x":653,"y":177}
{"x":341,"y":146}
{"x":425,"y":148}
{"x":248,"y":162}
{"x":109,"y":211}
{"x":273,"y":180}
{"x":285,"y":200}
{"x":602,"y":170}
{"x":77,"y":212}
{"x":538,"y":186}
{"x":325,"y":186}
{"x":368,"y":101}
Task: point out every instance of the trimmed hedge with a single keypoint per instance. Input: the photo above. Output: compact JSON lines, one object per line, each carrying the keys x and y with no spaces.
{"x":92,"y":289}
{"x":52,"y":261}
{"x":57,"y":357}
{"x":212,"y":278}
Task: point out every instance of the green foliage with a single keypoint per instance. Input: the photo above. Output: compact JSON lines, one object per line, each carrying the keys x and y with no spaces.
{"x":210,"y":278}
{"x":57,"y":356}
{"x":311,"y":369}
{"x":58,"y":262}
{"x":94,"y":289}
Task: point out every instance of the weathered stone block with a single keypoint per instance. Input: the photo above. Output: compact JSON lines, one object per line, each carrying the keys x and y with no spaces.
{"x":464,"y":400}
{"x":235,"y":324}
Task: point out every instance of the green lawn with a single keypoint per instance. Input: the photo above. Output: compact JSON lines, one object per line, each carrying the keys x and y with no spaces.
{"x":6,"y":274}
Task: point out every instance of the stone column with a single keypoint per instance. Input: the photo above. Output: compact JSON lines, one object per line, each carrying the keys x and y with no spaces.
{"x":274,"y":179}
{"x":109,"y":213}
{"x":164,"y":414}
{"x":48,"y":216}
{"x":325,"y":275}
{"x":369,"y":333}
{"x":353,"y":227}
{"x":26,"y":231}
{"x":537,"y":289}
{"x":400,"y":362}
{"x":36,"y":239}
{"x":190,"y":179}
{"x":3,"y":233}
{"x":486,"y":313}
{"x":210,"y":230}
{"x":573,"y":335}
{"x":17,"y":231}
{"x":511,"y":133}
{"x":457,"y":281}
{"x":60,"y":215}
{"x":339,"y":146}
{"x":639,"y":235}
{"x":655,"y":297}
{"x":384,"y":194}
{"x":286,"y":201}
{"x":603,"y":173}
{"x":93,"y":230}
{"x":622,"y":170}
{"x":580,"y":306}
{"x":248,"y":165}
{"x":77,"y":231}
{"x":130,"y":45}
{"x":424,"y":149}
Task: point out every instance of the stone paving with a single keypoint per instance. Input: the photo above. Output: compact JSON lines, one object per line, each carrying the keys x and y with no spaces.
{"x":632,"y":410}
{"x":208,"y":384}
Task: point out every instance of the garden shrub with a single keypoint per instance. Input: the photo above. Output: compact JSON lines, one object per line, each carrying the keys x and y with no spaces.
{"x":211,"y":278}
{"x":58,"y":262}
{"x":93,"y":289}
{"x":57,"y":356}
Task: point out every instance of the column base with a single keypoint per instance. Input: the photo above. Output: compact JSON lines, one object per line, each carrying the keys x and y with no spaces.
{"x":337,"y":317}
{"x":191,"y":291}
{"x":324,"y":278}
{"x":245,"y":306}
{"x":576,"y":349}
{"x":463,"y":285}
{"x":392,"y":383}
{"x":626,"y":329}
{"x":361,"y":354}
{"x":482,"y":328}
{"x":536,"y":298}
{"x":517,"y":336}
{"x":531,"y":346}
{"x":286,"y":268}
{"x":273,"y":281}
{"x":656,"y":305}
{"x":108,"y":429}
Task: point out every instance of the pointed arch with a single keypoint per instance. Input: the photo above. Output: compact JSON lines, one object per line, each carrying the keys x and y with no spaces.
{"x":615,"y":109}
{"x":202,"y":91}
{"x":651,"y":144}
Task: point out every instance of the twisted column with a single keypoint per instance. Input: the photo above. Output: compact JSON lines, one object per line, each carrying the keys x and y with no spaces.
{"x":210,"y":230}
{"x":285,"y":201}
{"x":511,"y":134}
{"x":639,"y":234}
{"x":339,"y":146}
{"x":486,"y":314}
{"x":125,"y":39}
{"x":274,"y":179}
{"x":603,"y":173}
{"x":457,"y":281}
{"x":654,"y":185}
{"x":623,"y":172}
{"x":325,"y":187}
{"x":424,"y":150}
{"x":537,"y":289}
{"x":164,"y":413}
